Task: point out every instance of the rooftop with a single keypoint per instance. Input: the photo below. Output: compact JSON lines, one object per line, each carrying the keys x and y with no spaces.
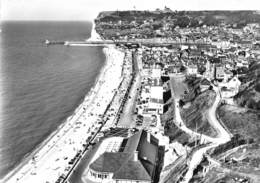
{"x":123,"y":165}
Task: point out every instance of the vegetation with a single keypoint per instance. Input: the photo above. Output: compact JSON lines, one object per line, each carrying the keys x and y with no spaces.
{"x":194,"y":89}
{"x":171,"y":130}
{"x":242,"y":163}
{"x":195,"y":115}
{"x":249,"y":94}
{"x":241,"y":121}
{"x":145,"y":24}
{"x":183,"y":18}
{"x":235,"y":141}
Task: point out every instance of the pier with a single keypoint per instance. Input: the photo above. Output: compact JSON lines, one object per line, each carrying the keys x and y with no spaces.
{"x":138,"y":43}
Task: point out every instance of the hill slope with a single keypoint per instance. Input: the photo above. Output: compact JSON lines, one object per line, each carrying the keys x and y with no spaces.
{"x":249,"y":93}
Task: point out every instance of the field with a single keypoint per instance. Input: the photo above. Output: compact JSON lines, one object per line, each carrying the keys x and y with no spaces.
{"x":178,"y":86}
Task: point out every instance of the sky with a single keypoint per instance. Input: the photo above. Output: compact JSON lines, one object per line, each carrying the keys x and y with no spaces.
{"x":88,"y":9}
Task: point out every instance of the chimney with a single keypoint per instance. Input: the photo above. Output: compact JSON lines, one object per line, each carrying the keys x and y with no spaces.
{"x":136,"y":156}
{"x":149,"y":137}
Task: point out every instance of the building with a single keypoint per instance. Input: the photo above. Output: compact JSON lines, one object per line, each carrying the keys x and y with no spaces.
{"x":219,"y":72}
{"x":136,"y":161}
{"x":209,"y":73}
{"x":157,"y":92}
{"x":172,"y":69}
{"x":227,"y":75}
{"x":230,"y":88}
{"x":156,"y":73}
{"x":204,"y":85}
{"x":192,"y":69}
{"x":156,"y":103}
{"x":155,"y":106}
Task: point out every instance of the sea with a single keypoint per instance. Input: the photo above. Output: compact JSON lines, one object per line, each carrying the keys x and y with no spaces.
{"x":41,"y":85}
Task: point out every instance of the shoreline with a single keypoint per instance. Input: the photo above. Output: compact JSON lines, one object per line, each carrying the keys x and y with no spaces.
{"x":72,"y":118}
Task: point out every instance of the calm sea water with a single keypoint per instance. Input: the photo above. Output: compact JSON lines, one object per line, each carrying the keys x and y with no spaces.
{"x":41,"y":85}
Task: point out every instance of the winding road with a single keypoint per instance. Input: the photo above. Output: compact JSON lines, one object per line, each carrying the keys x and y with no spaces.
{"x":223,"y":135}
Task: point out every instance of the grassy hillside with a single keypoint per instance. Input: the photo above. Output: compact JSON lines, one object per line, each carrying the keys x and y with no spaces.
{"x":171,"y":130}
{"x":249,"y":93}
{"x":195,"y":105}
{"x":145,"y":24}
{"x":183,"y":18}
{"x":194,"y":116}
{"x":241,"y":121}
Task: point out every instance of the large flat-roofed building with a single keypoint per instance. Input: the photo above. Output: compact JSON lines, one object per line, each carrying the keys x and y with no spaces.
{"x":136,"y":161}
{"x":156,"y":73}
{"x":157,"y":92}
{"x":156,"y":100}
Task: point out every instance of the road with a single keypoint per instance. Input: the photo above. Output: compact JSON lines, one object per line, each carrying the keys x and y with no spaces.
{"x":127,"y":118}
{"x":176,"y":93}
{"x":223,"y":135}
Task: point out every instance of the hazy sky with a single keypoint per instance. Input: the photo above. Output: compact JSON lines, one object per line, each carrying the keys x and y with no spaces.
{"x":88,"y":9}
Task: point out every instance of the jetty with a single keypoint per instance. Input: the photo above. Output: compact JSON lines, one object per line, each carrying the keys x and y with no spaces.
{"x":47,"y":42}
{"x":135,"y":43}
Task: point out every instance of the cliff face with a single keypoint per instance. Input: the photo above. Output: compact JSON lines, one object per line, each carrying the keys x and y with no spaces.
{"x":249,"y":92}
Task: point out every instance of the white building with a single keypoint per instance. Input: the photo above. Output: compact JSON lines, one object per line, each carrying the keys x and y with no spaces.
{"x":193,"y":69}
{"x":230,"y":88}
{"x":156,"y":103}
{"x":157,"y":92}
{"x":156,"y":73}
{"x":136,"y":162}
{"x":155,"y":106}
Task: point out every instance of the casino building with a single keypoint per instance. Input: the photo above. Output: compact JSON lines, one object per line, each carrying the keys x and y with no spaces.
{"x":135,"y":161}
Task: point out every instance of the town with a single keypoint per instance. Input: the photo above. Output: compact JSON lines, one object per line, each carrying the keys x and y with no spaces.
{"x":149,"y":142}
{"x":182,"y":105}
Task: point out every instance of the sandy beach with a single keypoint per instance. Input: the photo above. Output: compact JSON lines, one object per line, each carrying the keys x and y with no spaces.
{"x":51,"y":159}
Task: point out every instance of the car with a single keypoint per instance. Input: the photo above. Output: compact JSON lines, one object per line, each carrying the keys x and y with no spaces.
{"x":140,"y":123}
{"x":140,"y":116}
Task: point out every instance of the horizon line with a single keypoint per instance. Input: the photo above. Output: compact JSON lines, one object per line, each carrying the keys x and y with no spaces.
{"x":92,"y":19}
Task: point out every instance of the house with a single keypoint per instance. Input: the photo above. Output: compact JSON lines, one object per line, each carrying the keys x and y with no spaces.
{"x":204,"y":85}
{"x":227,"y":75}
{"x":192,"y":69}
{"x":156,"y":106}
{"x":222,"y":44}
{"x":210,"y":70}
{"x":156,"y":73}
{"x":174,"y":69}
{"x":234,"y":83}
{"x":230,"y":88}
{"x":227,"y":92}
{"x":219,"y":72}
{"x":135,"y":162}
{"x":246,"y":44}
